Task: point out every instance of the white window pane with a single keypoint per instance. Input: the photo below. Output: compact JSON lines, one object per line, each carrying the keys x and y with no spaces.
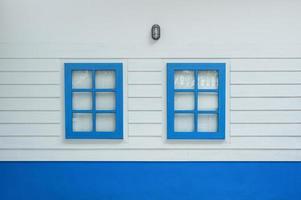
{"x":105,"y":101}
{"x":207,"y":80}
{"x":105,"y":122}
{"x":207,"y":123}
{"x":82,"y":122}
{"x":82,"y":79}
{"x":105,"y":79}
{"x":184,"y":123}
{"x":207,"y":101}
{"x":184,"y":101}
{"x":82,"y":101}
{"x":184,"y":79}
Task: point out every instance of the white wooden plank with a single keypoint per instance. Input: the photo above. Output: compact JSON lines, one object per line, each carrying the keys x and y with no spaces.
{"x":145,"y":116}
{"x":266,"y":104}
{"x":266,"y":65}
{"x":145,"y":103}
{"x":145,"y":78}
{"x":265,"y":77}
{"x":239,"y":143}
{"x":145,"y":130}
{"x":145,"y":65}
{"x":36,"y":65}
{"x":30,"y":104}
{"x":266,"y":130}
{"x":144,"y":91}
{"x":30,"y":91}
{"x":266,"y":91}
{"x":266,"y":117}
{"x":150,"y":155}
{"x":30,"y":130}
{"x":30,"y":77}
{"x":30,"y":117}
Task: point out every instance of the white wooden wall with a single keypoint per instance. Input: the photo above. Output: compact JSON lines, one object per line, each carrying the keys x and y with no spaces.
{"x":259,"y":41}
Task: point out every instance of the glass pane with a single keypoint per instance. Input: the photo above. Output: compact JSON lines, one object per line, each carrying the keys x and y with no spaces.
{"x":105,"y":122}
{"x":105,"y":79}
{"x":184,"y":79}
{"x":82,"y":79}
{"x":105,"y":101}
{"x":207,"y":101}
{"x":82,"y":101}
{"x":207,"y":80}
{"x":207,"y":123}
{"x":184,"y":101}
{"x":82,"y":122}
{"x":184,"y":123}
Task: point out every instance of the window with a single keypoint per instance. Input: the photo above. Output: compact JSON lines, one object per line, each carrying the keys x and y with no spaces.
{"x":195,"y":100}
{"x":94,"y":100}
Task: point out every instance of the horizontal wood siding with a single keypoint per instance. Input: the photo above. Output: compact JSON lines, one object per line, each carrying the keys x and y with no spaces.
{"x":144,"y":104}
{"x":264,"y":114}
{"x":267,"y":77}
{"x":266,"y":103}
{"x":145,"y":98}
{"x":30,"y":98}
{"x":265,"y":98}
{"x":266,"y":91}
{"x":142,"y":91}
{"x":152,"y":143}
{"x":30,"y":104}
{"x":147,"y":155}
{"x":27,"y":91}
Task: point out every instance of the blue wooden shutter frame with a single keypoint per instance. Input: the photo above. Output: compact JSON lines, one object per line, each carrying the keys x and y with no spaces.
{"x":221,"y":91}
{"x":118,"y":90}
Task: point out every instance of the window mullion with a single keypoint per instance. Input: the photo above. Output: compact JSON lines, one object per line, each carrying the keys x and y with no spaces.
{"x":93,"y":101}
{"x":218,"y":101}
{"x":195,"y":101}
{"x":116,"y":93}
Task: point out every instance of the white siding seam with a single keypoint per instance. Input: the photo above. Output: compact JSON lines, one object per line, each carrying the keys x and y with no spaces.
{"x":267,"y":71}
{"x":29,"y":136}
{"x":144,"y":70}
{"x":28,"y":71}
{"x":34,"y":97}
{"x":31,"y":110}
{"x":148,"y":110}
{"x":259,"y":96}
{"x":264,"y":97}
{"x":30,"y":122}
{"x":263,"y":135}
{"x":162,"y":149}
{"x":156,"y":136}
{"x":265,"y":84}
{"x":265,"y":122}
{"x":141,"y":110}
{"x":145,"y":123}
{"x":142,"y":136}
{"x":30,"y":84}
{"x":146,"y":97}
{"x":75,"y":57}
{"x":269,"y":110}
{"x":144,"y":84}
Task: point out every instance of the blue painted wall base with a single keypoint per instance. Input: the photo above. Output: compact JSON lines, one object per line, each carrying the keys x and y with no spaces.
{"x":150,"y":180}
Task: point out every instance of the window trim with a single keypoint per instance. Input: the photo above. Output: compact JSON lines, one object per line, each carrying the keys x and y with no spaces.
{"x":118,"y":133}
{"x":221,"y":90}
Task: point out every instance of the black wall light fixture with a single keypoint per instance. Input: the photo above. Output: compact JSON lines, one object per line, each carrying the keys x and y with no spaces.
{"x":156,"y":32}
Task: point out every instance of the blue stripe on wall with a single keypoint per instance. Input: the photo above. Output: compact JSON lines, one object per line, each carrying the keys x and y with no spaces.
{"x":150,"y":180}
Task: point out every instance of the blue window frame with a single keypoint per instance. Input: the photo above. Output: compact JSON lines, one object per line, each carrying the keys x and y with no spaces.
{"x":93,"y":100}
{"x":196,"y":100}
